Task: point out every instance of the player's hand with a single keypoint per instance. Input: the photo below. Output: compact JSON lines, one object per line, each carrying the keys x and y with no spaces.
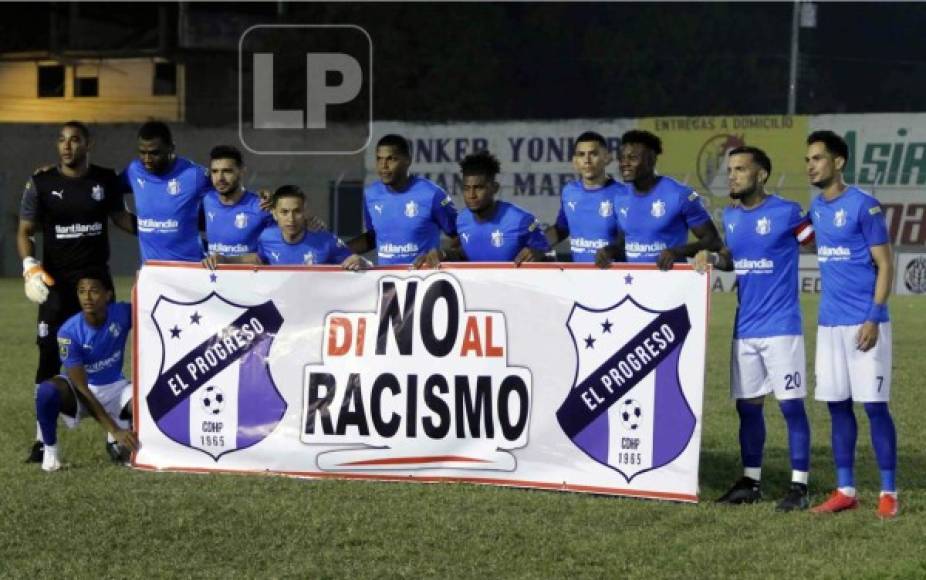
{"x":355,"y":263}
{"x":867,"y":336}
{"x":211,"y":261}
{"x":126,"y":439}
{"x":666,"y":259}
{"x":37,"y":280}
{"x":431,"y":259}
{"x":604,"y":257}
{"x":315,"y":224}
{"x":701,"y":261}
{"x":41,"y":169}
{"x":528,"y":255}
{"x":266,"y":199}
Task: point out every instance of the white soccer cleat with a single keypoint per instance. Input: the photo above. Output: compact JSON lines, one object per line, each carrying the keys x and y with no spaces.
{"x":50,"y":461}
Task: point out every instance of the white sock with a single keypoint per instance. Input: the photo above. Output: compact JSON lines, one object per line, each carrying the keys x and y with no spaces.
{"x":800,"y":476}
{"x":38,"y":432}
{"x":890,"y":493}
{"x":110,"y":438}
{"x":753,"y":473}
{"x":849,"y":491}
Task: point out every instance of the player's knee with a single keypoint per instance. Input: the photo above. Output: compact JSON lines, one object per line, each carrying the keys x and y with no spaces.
{"x":877,"y":410}
{"x":749,"y":406}
{"x":840,"y":406}
{"x":47,"y":395}
{"x":792,"y":408}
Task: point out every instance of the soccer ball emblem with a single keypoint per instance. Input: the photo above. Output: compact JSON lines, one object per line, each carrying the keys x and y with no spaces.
{"x":631,"y":414}
{"x":212,"y":400}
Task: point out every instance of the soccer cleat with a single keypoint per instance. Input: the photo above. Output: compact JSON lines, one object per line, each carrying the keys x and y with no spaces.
{"x":887,"y":506}
{"x":117,"y":454}
{"x":838,"y":502}
{"x":745,"y":490}
{"x":796,"y":499}
{"x":36,"y":453}
{"x":50,"y":461}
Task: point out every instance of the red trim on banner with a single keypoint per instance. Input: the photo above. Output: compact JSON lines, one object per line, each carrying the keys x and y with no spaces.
{"x":402,"y":267}
{"x":551,"y":486}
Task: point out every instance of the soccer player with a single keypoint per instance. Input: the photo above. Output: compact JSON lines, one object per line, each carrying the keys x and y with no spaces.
{"x":234,"y":218}
{"x":853,"y":362}
{"x":289,"y":242}
{"x":70,"y":204}
{"x":92,"y":346}
{"x":657,"y":214}
{"x":169,"y":192}
{"x":763,"y":236}
{"x":404,"y":214}
{"x":586,"y":213}
{"x":491,"y":230}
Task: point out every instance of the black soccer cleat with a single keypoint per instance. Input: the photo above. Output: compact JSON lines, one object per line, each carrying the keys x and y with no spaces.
{"x":796,"y":499}
{"x":117,"y":454}
{"x":745,"y":490}
{"x":36,"y":453}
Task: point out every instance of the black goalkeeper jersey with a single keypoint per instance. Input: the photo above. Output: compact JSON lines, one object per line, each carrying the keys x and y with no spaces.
{"x":73,"y":214}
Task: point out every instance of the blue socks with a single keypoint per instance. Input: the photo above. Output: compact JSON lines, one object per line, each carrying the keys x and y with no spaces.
{"x":844,"y":435}
{"x":47,"y":407}
{"x":884,"y":441}
{"x":798,"y":433}
{"x":752,"y":433}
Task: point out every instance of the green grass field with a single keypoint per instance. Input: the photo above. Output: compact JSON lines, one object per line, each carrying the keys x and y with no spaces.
{"x":97,"y":520}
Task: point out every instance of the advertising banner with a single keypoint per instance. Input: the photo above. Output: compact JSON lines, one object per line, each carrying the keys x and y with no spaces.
{"x":546,"y":376}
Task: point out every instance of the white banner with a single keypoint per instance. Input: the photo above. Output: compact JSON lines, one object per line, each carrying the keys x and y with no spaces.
{"x":536,"y":157}
{"x":546,"y":376}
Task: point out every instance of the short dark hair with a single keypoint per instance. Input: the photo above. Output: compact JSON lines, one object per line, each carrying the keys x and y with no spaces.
{"x":156,"y":130}
{"x":226,"y":152}
{"x":287,"y":191}
{"x":397,"y":142}
{"x":758,"y":155}
{"x":98,"y":274}
{"x":481,"y":163}
{"x":81,"y":128}
{"x":645,"y":138}
{"x":592,"y":137}
{"x":835,"y":144}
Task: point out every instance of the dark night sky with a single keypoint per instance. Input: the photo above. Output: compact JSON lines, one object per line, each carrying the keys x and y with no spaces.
{"x":525,"y":60}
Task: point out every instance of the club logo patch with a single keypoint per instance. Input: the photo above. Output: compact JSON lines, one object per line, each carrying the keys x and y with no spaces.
{"x":658,"y":209}
{"x":626,"y":409}
{"x":214,"y":391}
{"x":763,"y":226}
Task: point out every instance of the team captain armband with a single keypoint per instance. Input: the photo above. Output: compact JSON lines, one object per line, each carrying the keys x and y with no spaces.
{"x":803,"y":231}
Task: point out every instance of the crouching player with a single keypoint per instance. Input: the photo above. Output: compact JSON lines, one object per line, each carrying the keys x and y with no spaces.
{"x":490,"y":230}
{"x":289,"y":242}
{"x":763,"y":235}
{"x":92,"y":345}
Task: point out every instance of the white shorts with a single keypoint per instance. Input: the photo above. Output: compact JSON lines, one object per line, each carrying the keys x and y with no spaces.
{"x":759,"y":366}
{"x":114,"y":397}
{"x":845,"y":372}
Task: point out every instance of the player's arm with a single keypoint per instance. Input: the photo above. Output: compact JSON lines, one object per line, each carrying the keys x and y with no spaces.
{"x":536,"y":244}
{"x":124,"y":437}
{"x":363,"y":243}
{"x":213,"y":260}
{"x":559,"y":231}
{"x":868,"y":333}
{"x":707,"y":238}
{"x":432,"y":259}
{"x":37,"y":280}
{"x":125,"y":221}
{"x":721,"y":260}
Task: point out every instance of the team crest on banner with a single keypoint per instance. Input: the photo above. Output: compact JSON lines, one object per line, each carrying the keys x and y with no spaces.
{"x":627,"y":409}
{"x":214,"y":391}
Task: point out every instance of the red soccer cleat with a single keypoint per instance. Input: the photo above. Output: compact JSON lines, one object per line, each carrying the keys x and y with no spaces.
{"x":838,"y":502}
{"x":887,"y":506}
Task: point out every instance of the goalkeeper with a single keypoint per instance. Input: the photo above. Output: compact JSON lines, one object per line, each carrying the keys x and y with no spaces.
{"x":70,"y":205}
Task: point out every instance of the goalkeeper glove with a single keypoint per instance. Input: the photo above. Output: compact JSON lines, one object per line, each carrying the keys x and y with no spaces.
{"x":37,"y":280}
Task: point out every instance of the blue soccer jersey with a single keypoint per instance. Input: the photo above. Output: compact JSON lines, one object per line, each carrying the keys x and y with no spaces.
{"x":313,"y":248}
{"x":764,"y":242}
{"x":846,"y":228}
{"x":587,"y":215}
{"x":657,"y":220}
{"x":168,"y":208}
{"x":233,"y":230}
{"x":502,"y":236}
{"x":407,"y":223}
{"x":99,"y":349}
